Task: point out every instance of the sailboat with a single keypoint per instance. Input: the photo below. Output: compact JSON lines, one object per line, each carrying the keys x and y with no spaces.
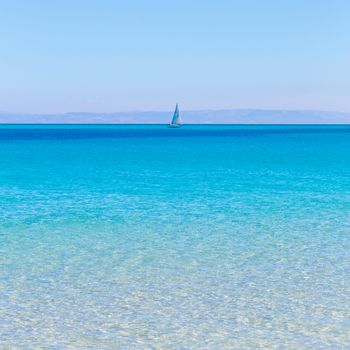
{"x":176,"y":122}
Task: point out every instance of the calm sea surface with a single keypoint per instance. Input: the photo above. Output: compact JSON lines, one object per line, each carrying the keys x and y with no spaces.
{"x":204,"y":237}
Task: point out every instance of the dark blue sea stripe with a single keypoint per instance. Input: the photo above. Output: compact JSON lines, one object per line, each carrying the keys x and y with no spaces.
{"x":23,"y":134}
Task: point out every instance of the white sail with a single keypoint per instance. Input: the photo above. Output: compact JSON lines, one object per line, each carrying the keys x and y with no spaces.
{"x":176,"y":121}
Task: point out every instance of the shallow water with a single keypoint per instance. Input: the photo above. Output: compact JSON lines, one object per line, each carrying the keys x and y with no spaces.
{"x":204,"y":237}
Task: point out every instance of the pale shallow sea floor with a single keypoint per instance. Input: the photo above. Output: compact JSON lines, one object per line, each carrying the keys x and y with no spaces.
{"x":139,"y":237}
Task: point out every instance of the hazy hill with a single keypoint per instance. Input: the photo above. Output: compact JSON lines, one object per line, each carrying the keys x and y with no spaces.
{"x":227,"y":116}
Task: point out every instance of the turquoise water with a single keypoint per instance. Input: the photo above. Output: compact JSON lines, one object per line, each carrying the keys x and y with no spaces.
{"x":204,"y":237}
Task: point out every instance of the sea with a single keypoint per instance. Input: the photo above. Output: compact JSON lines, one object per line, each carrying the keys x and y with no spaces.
{"x":201,"y":237}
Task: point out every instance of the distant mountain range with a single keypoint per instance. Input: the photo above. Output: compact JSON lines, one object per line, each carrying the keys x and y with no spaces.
{"x":224,"y":116}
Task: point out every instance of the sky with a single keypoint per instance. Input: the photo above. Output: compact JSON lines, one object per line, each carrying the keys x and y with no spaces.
{"x":111,"y":55}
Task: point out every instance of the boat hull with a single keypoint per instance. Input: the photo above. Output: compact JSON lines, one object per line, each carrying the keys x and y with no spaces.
{"x":174,"y":126}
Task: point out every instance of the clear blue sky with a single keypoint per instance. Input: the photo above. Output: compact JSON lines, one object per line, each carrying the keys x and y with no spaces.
{"x":110,"y":55}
